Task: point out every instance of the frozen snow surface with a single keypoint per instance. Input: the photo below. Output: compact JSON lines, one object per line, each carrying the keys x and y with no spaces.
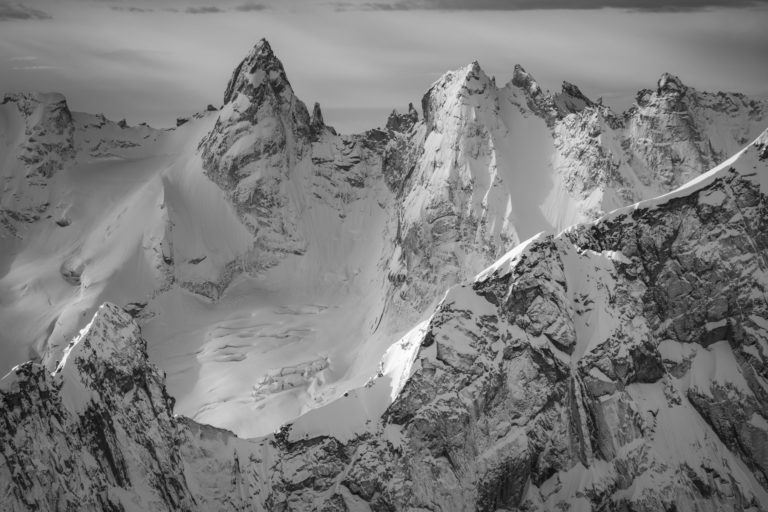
{"x":290,"y":284}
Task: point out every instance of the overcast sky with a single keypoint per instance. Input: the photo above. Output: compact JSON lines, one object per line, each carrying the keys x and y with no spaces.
{"x":156,"y":60}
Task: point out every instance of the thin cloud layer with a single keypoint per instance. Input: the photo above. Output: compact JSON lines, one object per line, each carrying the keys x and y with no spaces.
{"x":155,"y":66}
{"x":209,"y":9}
{"x":527,"y":5}
{"x":131,"y":9}
{"x":34,"y":68}
{"x":250,"y":7}
{"x":16,"y":11}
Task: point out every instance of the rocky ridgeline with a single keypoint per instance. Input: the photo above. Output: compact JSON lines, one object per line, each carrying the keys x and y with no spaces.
{"x":671,"y":135}
{"x":457,"y":184}
{"x":459,"y":207}
{"x":97,"y":434}
{"x":621,"y":365}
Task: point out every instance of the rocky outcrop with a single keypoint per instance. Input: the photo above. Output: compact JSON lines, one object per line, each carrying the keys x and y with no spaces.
{"x":397,"y":122}
{"x":670,"y":130}
{"x":317,"y":124}
{"x":48,"y":132}
{"x":97,"y":434}
{"x":670,"y":136}
{"x":42,"y":130}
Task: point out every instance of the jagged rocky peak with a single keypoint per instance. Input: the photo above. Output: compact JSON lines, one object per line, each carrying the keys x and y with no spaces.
{"x":571,"y":99}
{"x":48,"y":120}
{"x":455,"y":89}
{"x":317,"y":118}
{"x":259,"y":89}
{"x":524,"y":80}
{"x":670,"y":84}
{"x":259,"y":107}
{"x":260,"y":68}
{"x":111,"y":342}
{"x":475,"y":79}
{"x":549,"y":107}
{"x":669,"y":90}
{"x":317,"y":123}
{"x":464,"y":82}
{"x":678,"y":132}
{"x":398,"y":122}
{"x":573,"y":91}
{"x":106,"y":420}
{"x":44,"y":144}
{"x":49,"y":109}
{"x":49,"y":129}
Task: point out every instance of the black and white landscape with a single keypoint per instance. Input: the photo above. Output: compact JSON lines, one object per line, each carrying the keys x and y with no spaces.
{"x":501,"y":298}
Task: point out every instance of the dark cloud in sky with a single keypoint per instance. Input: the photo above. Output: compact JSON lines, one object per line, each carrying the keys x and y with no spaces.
{"x":208,"y":9}
{"x":204,"y":9}
{"x":17,"y":11}
{"x":250,"y":7}
{"x":131,"y":9}
{"x":380,"y":6}
{"x":521,"y":5}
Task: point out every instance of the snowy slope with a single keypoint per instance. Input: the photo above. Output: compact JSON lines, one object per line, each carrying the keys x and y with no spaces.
{"x":124,"y":221}
{"x":272,"y":262}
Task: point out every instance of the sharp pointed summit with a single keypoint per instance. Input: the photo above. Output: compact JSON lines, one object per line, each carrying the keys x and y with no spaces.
{"x":259,"y":67}
{"x":455,"y":89}
{"x":524,"y":80}
{"x":317,"y":124}
{"x":670,"y":84}
{"x":261,"y":134}
{"x":571,"y":99}
{"x":259,"y":87}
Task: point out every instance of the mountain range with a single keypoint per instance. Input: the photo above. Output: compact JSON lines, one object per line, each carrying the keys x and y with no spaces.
{"x":508,"y":299}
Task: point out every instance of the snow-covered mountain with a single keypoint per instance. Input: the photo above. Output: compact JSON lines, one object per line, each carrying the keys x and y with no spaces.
{"x":281,"y":272}
{"x":620,"y":365}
